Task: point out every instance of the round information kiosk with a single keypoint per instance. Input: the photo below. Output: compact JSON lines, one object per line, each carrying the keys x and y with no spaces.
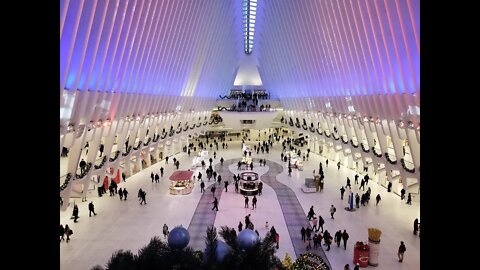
{"x":181,"y":183}
{"x":249,"y":183}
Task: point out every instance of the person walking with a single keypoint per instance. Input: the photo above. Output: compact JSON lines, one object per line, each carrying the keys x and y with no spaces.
{"x":402,"y":194}
{"x":338,"y":165}
{"x":254,"y":202}
{"x":120,"y":193}
{"x":62,"y":233}
{"x":68,"y":232}
{"x":342,"y":191}
{"x":409,"y":198}
{"x":289,"y":171}
{"x":75,"y":214}
{"x":101,"y":150}
{"x":348,"y":183}
{"x":125,"y":193}
{"x":165,"y":231}
{"x":332,"y":211}
{"x":157,"y":178}
{"x":240,"y":226}
{"x":246,"y":203}
{"x":236,"y":186}
{"x":356,"y":179}
{"x":91,"y":209}
{"x":215,"y":204}
{"x":321,"y":221}
{"x":143,"y":197}
{"x":378,"y":198}
{"x":226,"y":185}
{"x":401,"y":251}
{"x":357,"y":266}
{"x":161,"y":171}
{"x":83,"y":165}
{"x":152,"y":176}
{"x":202,"y":187}
{"x":302,"y":232}
{"x":345,"y":237}
{"x":221,"y":161}
{"x":311,"y":213}
{"x":260,"y":188}
{"x":338,"y":237}
{"x":212,"y":189}
{"x":328,"y":239}
{"x":415,"y":226}
{"x":314,"y":223}
{"x":346,"y":267}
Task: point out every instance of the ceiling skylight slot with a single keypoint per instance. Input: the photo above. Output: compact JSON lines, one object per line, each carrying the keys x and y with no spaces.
{"x":249,"y":14}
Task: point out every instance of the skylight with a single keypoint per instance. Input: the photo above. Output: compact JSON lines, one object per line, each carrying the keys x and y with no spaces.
{"x":249,"y":11}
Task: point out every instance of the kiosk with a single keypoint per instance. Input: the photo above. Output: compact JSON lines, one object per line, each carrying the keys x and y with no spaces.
{"x":181,"y":182}
{"x":249,"y":183}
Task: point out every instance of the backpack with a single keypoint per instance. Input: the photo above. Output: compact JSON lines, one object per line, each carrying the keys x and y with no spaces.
{"x":334,"y":209}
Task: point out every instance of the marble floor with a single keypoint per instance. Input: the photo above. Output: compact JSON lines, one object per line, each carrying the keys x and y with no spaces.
{"x":128,"y":225}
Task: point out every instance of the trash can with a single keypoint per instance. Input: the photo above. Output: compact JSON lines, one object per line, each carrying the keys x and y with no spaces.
{"x":360,"y":254}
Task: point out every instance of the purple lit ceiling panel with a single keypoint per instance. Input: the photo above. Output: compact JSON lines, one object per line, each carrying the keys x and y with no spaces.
{"x":178,"y":48}
{"x":340,"y":47}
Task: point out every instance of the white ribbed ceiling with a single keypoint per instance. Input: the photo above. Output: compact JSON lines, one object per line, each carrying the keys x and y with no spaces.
{"x":193,"y":47}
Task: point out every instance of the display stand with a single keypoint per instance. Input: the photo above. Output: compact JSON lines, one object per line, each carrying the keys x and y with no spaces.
{"x":249,"y":183}
{"x":350,"y":200}
{"x":374,"y":252}
{"x":360,"y":254}
{"x":181,"y":183}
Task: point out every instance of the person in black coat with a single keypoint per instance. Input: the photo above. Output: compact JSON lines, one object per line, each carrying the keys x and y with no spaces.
{"x":415,"y":226}
{"x":202,"y":187}
{"x":75,"y":213}
{"x":91,"y":209}
{"x":342,"y":191}
{"x":215,"y":204}
{"x":302,"y":232}
{"x":402,"y":194}
{"x":409,"y":198}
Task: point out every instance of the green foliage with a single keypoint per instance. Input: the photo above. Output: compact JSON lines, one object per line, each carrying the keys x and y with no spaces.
{"x":229,"y":235}
{"x":211,"y":246}
{"x":154,"y":255}
{"x":121,"y":260}
{"x":158,"y":255}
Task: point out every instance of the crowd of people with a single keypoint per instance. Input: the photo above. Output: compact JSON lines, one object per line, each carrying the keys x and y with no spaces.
{"x":316,"y":222}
